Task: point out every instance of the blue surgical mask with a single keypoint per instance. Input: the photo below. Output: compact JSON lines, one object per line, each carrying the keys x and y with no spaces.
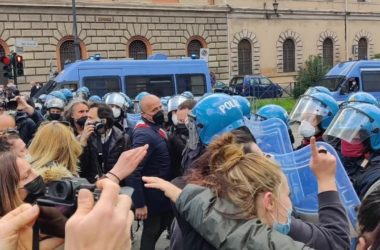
{"x":283,"y":228}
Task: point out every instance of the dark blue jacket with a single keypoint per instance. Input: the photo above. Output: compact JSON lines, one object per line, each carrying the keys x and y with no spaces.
{"x":156,"y":163}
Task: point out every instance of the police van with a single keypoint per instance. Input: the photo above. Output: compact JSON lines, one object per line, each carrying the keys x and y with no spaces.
{"x":157,"y":75}
{"x":352,"y":76}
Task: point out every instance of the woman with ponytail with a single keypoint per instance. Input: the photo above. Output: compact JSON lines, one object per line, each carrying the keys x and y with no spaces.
{"x":242,"y":201}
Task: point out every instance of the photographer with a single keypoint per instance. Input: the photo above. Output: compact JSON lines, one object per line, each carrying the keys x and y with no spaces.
{"x":88,"y":228}
{"x":103,"y":142}
{"x":27,"y":118}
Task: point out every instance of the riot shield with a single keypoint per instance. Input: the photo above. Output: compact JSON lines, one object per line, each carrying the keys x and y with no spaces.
{"x":133,"y":119}
{"x":271,"y":135}
{"x":303,"y":184}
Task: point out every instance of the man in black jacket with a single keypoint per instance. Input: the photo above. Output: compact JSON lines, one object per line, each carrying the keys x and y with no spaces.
{"x":151,"y":205}
{"x":103,"y":143}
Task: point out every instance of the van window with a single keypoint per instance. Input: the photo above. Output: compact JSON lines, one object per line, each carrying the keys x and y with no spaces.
{"x":101,"y":85}
{"x":156,"y":85}
{"x":196,"y":83}
{"x":371,"y":81}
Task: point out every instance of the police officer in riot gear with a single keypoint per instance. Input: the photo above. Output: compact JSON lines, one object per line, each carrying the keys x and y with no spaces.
{"x":314,"y":113}
{"x":54,"y":107}
{"x":357,"y":126}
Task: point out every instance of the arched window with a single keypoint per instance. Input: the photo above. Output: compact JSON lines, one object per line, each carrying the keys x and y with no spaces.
{"x":362,"y":49}
{"x":2,"y":51}
{"x":138,"y":50}
{"x":245,"y":57}
{"x":289,"y":56}
{"x":67,"y":52}
{"x":328,"y":53}
{"x":194,"y":48}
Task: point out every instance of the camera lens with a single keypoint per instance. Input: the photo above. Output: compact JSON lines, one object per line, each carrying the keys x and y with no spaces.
{"x":60,"y":190}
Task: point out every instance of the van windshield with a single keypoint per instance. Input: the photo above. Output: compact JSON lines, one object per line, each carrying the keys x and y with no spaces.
{"x":156,"y":85}
{"x":331,"y":82}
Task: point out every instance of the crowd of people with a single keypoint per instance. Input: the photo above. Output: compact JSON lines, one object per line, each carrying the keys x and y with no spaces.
{"x":194,"y":167}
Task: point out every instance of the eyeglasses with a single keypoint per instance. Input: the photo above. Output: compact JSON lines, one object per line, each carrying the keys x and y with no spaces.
{"x":9,"y":132}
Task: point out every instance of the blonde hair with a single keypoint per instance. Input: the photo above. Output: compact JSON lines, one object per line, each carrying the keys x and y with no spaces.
{"x":240,"y":177}
{"x":55,"y":143}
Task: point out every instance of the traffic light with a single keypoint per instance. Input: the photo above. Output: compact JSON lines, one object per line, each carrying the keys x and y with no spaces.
{"x":7,"y":67}
{"x":19,"y":63}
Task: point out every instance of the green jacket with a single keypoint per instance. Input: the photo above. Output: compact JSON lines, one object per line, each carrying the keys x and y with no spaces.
{"x":208,"y":215}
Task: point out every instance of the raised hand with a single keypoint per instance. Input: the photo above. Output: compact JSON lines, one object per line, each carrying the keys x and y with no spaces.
{"x":323,"y":165}
{"x":105,"y":225}
{"x":170,"y":190}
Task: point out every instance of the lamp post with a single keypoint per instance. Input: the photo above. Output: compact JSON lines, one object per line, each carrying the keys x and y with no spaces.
{"x":75,"y":32}
{"x":275,"y":7}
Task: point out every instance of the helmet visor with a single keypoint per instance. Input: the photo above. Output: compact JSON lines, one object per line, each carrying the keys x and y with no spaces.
{"x":350,"y":125}
{"x":136,"y":107}
{"x":259,"y":118}
{"x":309,"y":109}
{"x":193,"y":133}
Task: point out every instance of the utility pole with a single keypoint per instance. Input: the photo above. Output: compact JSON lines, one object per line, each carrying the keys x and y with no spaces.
{"x":345,"y":28}
{"x":75,"y":32}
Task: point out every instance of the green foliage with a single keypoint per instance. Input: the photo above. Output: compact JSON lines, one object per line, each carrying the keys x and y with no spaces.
{"x":312,"y":72}
{"x":376,"y":56}
{"x":285,"y":102}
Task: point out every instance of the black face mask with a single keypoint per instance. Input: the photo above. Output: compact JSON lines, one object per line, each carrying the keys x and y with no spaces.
{"x":81,"y":121}
{"x":55,"y":117}
{"x":182,"y":129}
{"x":35,"y":189}
{"x":159,"y":117}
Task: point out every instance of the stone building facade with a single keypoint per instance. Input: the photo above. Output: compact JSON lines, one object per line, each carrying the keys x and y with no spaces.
{"x":110,"y":29}
{"x":243,"y":37}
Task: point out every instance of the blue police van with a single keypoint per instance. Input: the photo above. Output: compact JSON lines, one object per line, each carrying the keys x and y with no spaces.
{"x":157,"y":75}
{"x":348,"y":77}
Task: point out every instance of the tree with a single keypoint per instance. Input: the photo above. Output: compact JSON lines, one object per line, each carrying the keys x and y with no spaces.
{"x":308,"y":75}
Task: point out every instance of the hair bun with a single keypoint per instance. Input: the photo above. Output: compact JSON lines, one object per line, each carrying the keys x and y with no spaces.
{"x":226,"y":157}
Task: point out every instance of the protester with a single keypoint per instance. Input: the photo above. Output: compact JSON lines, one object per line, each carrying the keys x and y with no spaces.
{"x":195,"y":175}
{"x":76,"y":113}
{"x":184,"y":110}
{"x":88,"y":228}
{"x":258,"y":191}
{"x":27,"y":119}
{"x":20,"y":183}
{"x":57,"y":158}
{"x":178,"y":132}
{"x":17,"y":146}
{"x":369,"y":222}
{"x":7,"y":122}
{"x":151,"y":206}
{"x":35,"y":87}
{"x":102,"y":142}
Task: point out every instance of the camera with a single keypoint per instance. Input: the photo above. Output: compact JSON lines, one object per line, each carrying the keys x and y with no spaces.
{"x":64,"y":193}
{"x":7,"y":98}
{"x":100,"y":127}
{"x":59,"y":202}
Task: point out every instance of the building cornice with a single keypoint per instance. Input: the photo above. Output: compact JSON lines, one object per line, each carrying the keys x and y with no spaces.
{"x":121,"y":6}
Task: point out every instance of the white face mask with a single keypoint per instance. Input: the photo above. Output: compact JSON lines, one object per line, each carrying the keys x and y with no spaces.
{"x":116,"y":112}
{"x":175,"y":119}
{"x":306,"y":129}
